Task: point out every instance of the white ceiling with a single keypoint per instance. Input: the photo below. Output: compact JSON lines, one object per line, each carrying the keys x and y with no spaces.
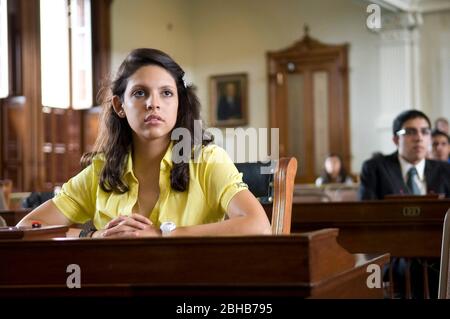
{"x":422,"y":6}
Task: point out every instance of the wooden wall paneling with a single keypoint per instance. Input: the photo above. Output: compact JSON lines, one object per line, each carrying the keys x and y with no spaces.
{"x":47,"y":148}
{"x":59,"y":136}
{"x":62,"y":146}
{"x":13,"y":132}
{"x":101,"y":43}
{"x":15,"y":47}
{"x":31,"y":79}
{"x":9,"y":148}
{"x":73,"y":143}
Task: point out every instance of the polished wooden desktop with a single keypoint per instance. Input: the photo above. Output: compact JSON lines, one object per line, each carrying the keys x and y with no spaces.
{"x":305,"y":265}
{"x":402,"y":227}
{"x":32,"y":233}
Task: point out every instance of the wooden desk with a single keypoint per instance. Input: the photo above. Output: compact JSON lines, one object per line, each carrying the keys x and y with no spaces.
{"x":411,"y":228}
{"x":304,"y":265}
{"x":12,"y":217}
{"x":29,"y":233}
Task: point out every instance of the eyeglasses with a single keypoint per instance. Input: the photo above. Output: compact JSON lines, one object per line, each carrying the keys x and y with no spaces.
{"x":411,"y":131}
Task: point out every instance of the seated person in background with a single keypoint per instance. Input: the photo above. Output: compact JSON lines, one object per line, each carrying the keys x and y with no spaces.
{"x":406,"y":171}
{"x":441,"y":124}
{"x":137,"y":179}
{"x":334,"y":172}
{"x":441,"y":146}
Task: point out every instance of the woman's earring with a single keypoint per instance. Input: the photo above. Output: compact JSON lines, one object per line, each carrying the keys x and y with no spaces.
{"x":122,"y":113}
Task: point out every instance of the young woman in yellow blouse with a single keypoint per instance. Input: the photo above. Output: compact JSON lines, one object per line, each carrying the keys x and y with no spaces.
{"x":132,"y":185}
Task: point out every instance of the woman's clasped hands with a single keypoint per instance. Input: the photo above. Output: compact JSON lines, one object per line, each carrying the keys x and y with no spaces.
{"x":131,"y":226}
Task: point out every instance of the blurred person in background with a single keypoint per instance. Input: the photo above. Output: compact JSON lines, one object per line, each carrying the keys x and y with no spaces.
{"x":441,"y":124}
{"x":334,"y":172}
{"x":440,"y":146}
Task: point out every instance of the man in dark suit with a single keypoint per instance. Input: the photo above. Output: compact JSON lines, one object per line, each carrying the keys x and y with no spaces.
{"x":407,"y":171}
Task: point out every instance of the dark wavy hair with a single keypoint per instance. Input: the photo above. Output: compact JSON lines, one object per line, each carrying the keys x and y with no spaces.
{"x":115,"y":136}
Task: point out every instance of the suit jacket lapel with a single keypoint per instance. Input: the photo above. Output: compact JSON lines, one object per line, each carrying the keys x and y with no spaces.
{"x":395,"y":174}
{"x":431,"y":178}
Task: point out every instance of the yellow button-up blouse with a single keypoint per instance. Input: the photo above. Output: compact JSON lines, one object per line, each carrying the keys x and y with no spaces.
{"x":213,"y":181}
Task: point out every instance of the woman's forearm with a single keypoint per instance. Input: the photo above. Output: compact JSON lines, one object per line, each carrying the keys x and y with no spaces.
{"x":46,"y":214}
{"x":238,"y":226}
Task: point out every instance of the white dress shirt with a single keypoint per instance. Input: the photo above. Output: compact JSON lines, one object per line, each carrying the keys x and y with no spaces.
{"x":419,"y":179}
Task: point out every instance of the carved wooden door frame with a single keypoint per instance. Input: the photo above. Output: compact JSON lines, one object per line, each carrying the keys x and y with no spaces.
{"x":310,"y":54}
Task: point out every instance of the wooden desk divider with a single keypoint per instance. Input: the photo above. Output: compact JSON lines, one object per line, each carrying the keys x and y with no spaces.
{"x":304,"y":265}
{"x":409,"y":227}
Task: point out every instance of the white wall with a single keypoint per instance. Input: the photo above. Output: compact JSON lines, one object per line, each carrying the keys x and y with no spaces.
{"x":435,"y":67}
{"x":161,"y":24}
{"x":211,"y":37}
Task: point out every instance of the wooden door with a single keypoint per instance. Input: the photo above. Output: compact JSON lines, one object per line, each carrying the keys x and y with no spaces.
{"x":308,"y":102}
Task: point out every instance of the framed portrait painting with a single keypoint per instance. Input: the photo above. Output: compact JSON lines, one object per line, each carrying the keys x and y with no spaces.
{"x":228,"y":100}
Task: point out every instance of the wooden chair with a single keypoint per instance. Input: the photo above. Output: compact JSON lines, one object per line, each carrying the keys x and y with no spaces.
{"x":277,"y":188}
{"x":3,"y":205}
{"x":444,"y":291}
{"x":6,"y":186}
{"x":2,"y":222}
